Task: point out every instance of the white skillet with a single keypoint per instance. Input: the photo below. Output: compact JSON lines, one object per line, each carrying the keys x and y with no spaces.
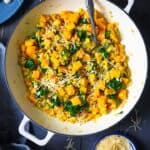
{"x":135,"y":49}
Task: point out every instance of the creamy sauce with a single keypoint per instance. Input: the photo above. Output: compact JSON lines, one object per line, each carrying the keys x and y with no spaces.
{"x":114,"y":142}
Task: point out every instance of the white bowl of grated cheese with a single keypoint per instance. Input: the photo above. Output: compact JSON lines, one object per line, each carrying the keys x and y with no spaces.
{"x":114,"y":142}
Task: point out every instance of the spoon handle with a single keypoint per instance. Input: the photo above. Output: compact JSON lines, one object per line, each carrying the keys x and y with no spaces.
{"x":90,"y":9}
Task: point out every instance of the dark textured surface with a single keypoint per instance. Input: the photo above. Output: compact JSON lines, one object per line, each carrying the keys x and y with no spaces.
{"x":10,"y":114}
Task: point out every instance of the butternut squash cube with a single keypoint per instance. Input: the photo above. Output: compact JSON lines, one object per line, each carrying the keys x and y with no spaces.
{"x":76,"y":66}
{"x":30,"y":42}
{"x":35,"y":74}
{"x":70,"y":90}
{"x":57,"y":22}
{"x":61,"y":92}
{"x":123,"y":94}
{"x":84,"y":82}
{"x":76,"y":101}
{"x":31,"y":52}
{"x":32,"y":99}
{"x":67,"y":34}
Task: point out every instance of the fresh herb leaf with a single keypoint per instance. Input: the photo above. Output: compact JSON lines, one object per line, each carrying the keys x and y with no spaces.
{"x":90,"y":36}
{"x":107,"y":34}
{"x":92,"y":66}
{"x":115,"y":98}
{"x":74,"y":48}
{"x":68,"y":106}
{"x":29,"y":64}
{"x":82,"y":34}
{"x":83,"y":99}
{"x":77,"y":74}
{"x":32,"y":36}
{"x":65,"y":62}
{"x":65,"y":57}
{"x":55,"y":99}
{"x":65,"y":53}
{"x":103,"y":51}
{"x":43,"y":70}
{"x":38,"y":40}
{"x":112,"y":96}
{"x":67,"y":83}
{"x":105,"y":54}
{"x":42,"y":91}
{"x":107,"y":44}
{"x":41,"y":45}
{"x":38,"y":27}
{"x":115,"y":84}
{"x":68,"y":52}
{"x":83,"y":21}
{"x":72,"y":109}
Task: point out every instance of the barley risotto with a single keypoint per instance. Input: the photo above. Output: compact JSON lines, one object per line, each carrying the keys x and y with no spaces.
{"x":66,"y":75}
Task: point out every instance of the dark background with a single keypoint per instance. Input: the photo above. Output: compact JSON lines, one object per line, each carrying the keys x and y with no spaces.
{"x":11,"y":115}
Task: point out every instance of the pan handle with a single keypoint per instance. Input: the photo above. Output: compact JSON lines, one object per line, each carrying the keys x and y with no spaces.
{"x":129,"y":6}
{"x":29,"y":136}
{"x":2,"y":60}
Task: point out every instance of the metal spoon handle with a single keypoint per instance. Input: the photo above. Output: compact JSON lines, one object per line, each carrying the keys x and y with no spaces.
{"x":90,"y":9}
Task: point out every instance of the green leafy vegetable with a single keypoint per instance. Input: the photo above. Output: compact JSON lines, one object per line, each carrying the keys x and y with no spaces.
{"x":115,"y":84}
{"x":29,"y":64}
{"x":82,"y":34}
{"x":77,"y":74}
{"x":115,"y":98}
{"x":72,"y":109}
{"x":83,"y":99}
{"x":65,"y":53}
{"x":38,"y":40}
{"x":43,"y":70}
{"x":55,"y":99}
{"x":92,"y":66}
{"x":83,"y":21}
{"x":32,"y":36}
{"x":42,"y":91}
{"x":103,"y":51}
{"x":74,"y":48}
{"x":68,"y":106}
{"x":90,"y":36}
{"x":41,"y":45}
{"x":68,"y":52}
{"x":38,"y":27}
{"x":65,"y":56}
{"x":112,"y":96}
{"x":107,"y":44}
{"x":107,"y":33}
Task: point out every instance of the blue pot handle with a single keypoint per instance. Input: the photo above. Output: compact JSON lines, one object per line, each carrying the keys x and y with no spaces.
{"x":2,"y":62}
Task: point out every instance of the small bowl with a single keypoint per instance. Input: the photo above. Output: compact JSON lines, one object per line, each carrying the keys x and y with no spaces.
{"x":131,"y":143}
